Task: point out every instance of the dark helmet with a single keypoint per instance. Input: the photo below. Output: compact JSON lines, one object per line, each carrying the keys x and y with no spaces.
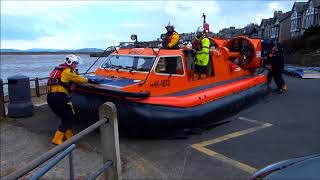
{"x":170,"y":25}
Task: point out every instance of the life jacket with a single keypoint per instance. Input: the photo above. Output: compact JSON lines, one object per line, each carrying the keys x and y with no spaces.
{"x":196,"y":45}
{"x":203,"y":53}
{"x":55,"y":76}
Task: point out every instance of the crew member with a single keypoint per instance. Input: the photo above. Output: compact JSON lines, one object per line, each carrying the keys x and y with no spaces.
{"x":58,"y":97}
{"x":201,"y":46}
{"x":276,"y":61}
{"x":171,"y":40}
{"x":267,"y":51}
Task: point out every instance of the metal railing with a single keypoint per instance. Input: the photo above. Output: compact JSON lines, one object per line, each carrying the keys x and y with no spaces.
{"x":108,"y":125}
{"x":101,"y":170}
{"x":2,"y":102}
{"x":55,"y":161}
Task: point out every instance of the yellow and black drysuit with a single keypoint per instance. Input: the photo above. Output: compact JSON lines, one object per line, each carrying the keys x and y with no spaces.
{"x":58,"y":99}
{"x":171,"y":40}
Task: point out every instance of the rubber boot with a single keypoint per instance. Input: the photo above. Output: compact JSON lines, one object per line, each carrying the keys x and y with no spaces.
{"x":203,"y":76}
{"x":196,"y":76}
{"x":58,"y":137}
{"x":285,"y":87}
{"x":68,"y":134}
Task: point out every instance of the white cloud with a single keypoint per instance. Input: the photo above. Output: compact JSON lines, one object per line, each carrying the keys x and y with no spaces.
{"x":61,"y":41}
{"x":32,"y":7}
{"x":261,"y":16}
{"x":67,"y":41}
{"x":274,"y":6}
{"x":57,"y":12}
{"x":186,"y":13}
{"x":149,"y":6}
{"x":132,"y":25}
{"x":144,"y":18}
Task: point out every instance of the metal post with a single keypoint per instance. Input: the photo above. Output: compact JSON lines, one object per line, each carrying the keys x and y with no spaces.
{"x":36,"y":81}
{"x":110,"y":140}
{"x":2,"y":106}
{"x":71,"y":169}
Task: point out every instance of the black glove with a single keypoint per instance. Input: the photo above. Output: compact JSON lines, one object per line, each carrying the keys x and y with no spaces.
{"x":264,"y":63}
{"x":95,"y":81}
{"x":165,"y":46}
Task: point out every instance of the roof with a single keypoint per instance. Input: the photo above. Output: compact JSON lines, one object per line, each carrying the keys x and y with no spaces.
{"x":252,"y":28}
{"x":237,"y":31}
{"x":284,"y":16}
{"x":230,"y":31}
{"x":269,"y":21}
{"x":316,"y":3}
{"x":300,"y":6}
{"x":263,"y":22}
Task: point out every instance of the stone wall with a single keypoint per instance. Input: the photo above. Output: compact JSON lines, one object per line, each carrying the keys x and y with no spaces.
{"x":303,"y":59}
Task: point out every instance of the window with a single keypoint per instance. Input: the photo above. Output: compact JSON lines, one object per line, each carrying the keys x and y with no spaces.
{"x":310,"y":15}
{"x":294,"y":20}
{"x":316,"y":16}
{"x":294,"y":25}
{"x":273,"y":32}
{"x":137,"y":63}
{"x":170,"y":65}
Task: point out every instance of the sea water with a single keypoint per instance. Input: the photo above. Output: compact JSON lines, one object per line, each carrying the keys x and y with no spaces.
{"x":39,"y":65}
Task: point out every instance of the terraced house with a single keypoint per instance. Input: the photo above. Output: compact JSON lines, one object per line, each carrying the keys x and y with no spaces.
{"x":284,"y":27}
{"x":276,"y":28}
{"x":279,"y":27}
{"x":311,"y":14}
{"x":296,"y":18}
{"x":292,"y":24}
{"x":265,"y":27}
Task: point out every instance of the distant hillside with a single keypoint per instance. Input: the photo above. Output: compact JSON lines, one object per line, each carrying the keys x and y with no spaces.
{"x":39,"y":51}
{"x":9,"y":50}
{"x":90,"y":50}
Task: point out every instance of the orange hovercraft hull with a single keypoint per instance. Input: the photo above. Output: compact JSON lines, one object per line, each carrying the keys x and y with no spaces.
{"x":152,"y":102}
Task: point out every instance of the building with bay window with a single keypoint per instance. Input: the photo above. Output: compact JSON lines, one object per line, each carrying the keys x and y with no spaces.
{"x":311,"y":14}
{"x":296,"y":18}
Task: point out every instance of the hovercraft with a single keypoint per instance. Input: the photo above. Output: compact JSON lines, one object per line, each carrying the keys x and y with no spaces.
{"x":153,"y":89}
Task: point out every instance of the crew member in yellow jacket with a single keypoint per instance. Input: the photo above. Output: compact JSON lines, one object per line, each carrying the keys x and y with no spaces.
{"x":58,"y":97}
{"x":171,"y":40}
{"x":201,"y":47}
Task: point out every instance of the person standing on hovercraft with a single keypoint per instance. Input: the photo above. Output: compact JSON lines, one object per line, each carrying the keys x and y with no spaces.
{"x":201,"y":47}
{"x":58,"y":97}
{"x":171,"y":40}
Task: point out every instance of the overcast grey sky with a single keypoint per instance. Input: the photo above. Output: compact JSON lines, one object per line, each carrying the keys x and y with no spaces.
{"x":81,"y":24}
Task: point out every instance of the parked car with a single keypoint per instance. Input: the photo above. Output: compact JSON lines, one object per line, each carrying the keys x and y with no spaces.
{"x":306,"y":167}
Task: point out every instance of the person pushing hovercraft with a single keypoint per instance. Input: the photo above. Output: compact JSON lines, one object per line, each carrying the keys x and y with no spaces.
{"x":61,"y":80}
{"x":275,"y":60}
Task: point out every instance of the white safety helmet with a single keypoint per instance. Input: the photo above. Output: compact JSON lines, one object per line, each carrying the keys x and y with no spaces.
{"x":170,"y":25}
{"x":200,"y":30}
{"x":71,"y":58}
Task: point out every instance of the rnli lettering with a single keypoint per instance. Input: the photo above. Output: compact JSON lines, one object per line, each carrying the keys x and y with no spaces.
{"x":162,"y":83}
